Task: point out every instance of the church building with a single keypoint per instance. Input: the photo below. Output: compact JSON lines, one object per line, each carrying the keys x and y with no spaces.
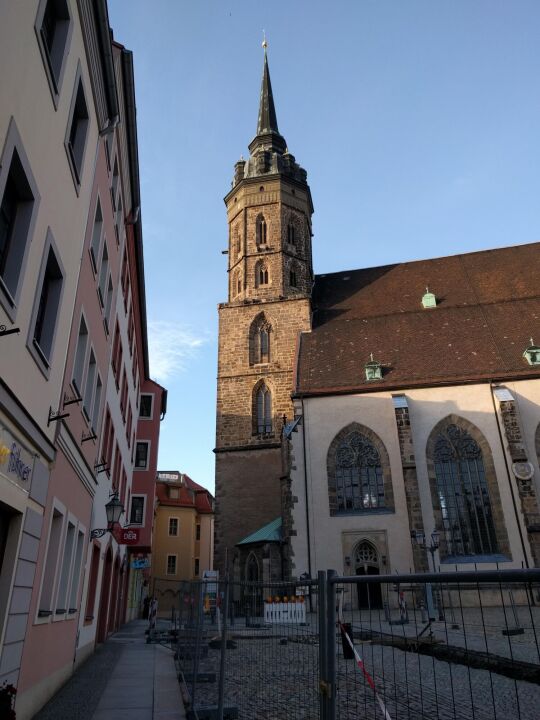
{"x":376,"y":420}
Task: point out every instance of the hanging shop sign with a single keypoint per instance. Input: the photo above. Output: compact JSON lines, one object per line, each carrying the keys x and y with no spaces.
{"x":127,"y":536}
{"x":140,"y":563}
{"x":16,"y":462}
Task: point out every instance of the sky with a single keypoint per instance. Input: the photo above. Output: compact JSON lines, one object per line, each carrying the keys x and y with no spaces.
{"x":418,"y":122}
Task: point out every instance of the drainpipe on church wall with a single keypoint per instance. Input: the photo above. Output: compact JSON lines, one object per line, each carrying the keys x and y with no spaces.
{"x":306,"y":490}
{"x":508,"y":475}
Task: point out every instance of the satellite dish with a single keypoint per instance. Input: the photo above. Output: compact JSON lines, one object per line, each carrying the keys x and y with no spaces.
{"x":523,"y":470}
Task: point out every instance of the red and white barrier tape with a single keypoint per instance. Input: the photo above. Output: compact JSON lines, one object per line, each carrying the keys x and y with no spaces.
{"x":360,"y":662}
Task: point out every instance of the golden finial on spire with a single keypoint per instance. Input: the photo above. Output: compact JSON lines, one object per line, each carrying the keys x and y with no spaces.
{"x":264,"y":42}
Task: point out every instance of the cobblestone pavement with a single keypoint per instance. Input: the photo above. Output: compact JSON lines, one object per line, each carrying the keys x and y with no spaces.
{"x":273,"y":674}
{"x":125,"y":678}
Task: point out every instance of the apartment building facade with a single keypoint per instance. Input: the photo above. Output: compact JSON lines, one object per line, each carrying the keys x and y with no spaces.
{"x":73,"y":355}
{"x":183,"y":545}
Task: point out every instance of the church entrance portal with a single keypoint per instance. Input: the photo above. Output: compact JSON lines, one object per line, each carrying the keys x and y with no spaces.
{"x":366,"y":562}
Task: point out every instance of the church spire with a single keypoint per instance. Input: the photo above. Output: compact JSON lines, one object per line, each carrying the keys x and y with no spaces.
{"x":267,"y":122}
{"x":268,"y":136}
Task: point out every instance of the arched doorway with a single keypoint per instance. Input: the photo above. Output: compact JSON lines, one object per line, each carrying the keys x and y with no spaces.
{"x":104,"y":599}
{"x":366,"y":562}
{"x":253,"y":591}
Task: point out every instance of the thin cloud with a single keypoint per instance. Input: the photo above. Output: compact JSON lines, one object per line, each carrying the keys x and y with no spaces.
{"x":171,"y":348}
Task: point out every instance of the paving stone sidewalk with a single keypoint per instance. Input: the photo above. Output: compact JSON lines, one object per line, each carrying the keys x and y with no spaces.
{"x":124,"y":678}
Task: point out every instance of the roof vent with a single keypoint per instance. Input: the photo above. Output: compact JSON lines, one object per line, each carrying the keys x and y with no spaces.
{"x":532,"y":353}
{"x":373,"y":369}
{"x":429,"y":300}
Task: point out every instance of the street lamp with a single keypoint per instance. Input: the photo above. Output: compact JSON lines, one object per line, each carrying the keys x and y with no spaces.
{"x":420,"y":539}
{"x":113,"y":509}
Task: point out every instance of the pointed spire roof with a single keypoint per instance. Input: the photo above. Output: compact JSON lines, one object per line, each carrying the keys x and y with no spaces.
{"x":267,"y":122}
{"x":267,"y":128}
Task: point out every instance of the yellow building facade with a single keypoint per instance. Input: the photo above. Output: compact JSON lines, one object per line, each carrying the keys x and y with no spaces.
{"x":183,"y":539}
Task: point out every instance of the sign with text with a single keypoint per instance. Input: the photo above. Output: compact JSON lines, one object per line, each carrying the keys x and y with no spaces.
{"x":127,"y":536}
{"x":16,"y":462}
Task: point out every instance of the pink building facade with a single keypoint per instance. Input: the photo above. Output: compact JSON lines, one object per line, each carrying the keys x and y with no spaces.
{"x":73,"y":354}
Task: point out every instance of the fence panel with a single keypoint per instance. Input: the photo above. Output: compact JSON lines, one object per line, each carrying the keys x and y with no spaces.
{"x":445,"y":645}
{"x":261,"y":660}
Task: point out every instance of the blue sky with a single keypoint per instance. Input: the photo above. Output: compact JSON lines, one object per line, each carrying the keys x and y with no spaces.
{"x":418,"y":122}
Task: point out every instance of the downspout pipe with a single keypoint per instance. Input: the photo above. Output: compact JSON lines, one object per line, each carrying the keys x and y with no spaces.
{"x":306,"y":489}
{"x":509,"y":475}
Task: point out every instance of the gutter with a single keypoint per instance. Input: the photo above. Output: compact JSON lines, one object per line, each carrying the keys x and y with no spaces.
{"x":509,"y":476}
{"x":107,"y":64}
{"x":135,"y":213}
{"x":306,"y":489}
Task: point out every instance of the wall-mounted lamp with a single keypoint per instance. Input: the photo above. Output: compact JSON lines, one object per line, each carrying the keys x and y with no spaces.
{"x":114,"y":510}
{"x":420,"y":538}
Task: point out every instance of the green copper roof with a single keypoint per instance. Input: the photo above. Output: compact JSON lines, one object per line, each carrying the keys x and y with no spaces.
{"x":268,"y":533}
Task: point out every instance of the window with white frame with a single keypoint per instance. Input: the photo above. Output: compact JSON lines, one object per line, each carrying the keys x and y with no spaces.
{"x":146,"y":406}
{"x":97,"y":404}
{"x":89,"y":388}
{"x":19,"y":200}
{"x":136,"y":515}
{"x":47,"y":306}
{"x":77,"y":130}
{"x":142,"y":455}
{"x":69,"y":543}
{"x":80,"y":356}
{"x":76,"y":574}
{"x":45,"y":604}
{"x":173,"y":526}
{"x":171,"y":565}
{"x":103,"y":274}
{"x":53,"y":29}
{"x":97,"y":231}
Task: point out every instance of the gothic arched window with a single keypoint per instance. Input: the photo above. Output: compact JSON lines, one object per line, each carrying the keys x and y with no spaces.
{"x":261,"y":274}
{"x":260,"y":340}
{"x":359,"y":474}
{"x":463,"y":493}
{"x":237,"y":243}
{"x":236,"y":288}
{"x":292,"y":278}
{"x":291,"y":234}
{"x":263,"y":410}
{"x":260,"y":231}
{"x":252,"y":568}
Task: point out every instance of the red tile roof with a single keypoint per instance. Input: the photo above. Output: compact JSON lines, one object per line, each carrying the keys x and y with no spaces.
{"x":488,"y":306}
{"x":190,"y":494}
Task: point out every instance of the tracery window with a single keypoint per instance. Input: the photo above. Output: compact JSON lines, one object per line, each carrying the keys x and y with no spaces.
{"x":359,"y":474}
{"x":463,"y":494}
{"x":260,"y":235}
{"x":260,"y":340}
{"x":291,"y":235}
{"x":261,"y":274}
{"x":263,"y":408}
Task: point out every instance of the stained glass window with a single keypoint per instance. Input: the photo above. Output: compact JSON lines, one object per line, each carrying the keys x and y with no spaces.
{"x":463,"y":494}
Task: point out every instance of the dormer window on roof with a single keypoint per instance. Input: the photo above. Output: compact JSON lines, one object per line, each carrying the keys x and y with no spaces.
{"x":429,"y":300}
{"x":532,"y":353}
{"x":373,"y":369}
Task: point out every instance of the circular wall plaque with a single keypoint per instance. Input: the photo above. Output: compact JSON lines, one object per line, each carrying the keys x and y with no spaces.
{"x":523,"y":470}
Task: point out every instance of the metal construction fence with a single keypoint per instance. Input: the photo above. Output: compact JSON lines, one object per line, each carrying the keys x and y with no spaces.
{"x":450,"y":645}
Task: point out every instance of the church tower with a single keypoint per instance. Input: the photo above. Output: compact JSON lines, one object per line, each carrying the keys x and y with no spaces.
{"x":270,"y":273}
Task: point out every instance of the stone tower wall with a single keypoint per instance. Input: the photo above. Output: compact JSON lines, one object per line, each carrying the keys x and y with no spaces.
{"x":248,"y":464}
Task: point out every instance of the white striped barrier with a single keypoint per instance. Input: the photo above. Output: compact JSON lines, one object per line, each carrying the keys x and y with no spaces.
{"x":281,"y":612}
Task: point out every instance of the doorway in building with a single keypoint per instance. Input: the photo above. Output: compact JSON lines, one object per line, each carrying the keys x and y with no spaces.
{"x":366,"y":562}
{"x":104,"y":599}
